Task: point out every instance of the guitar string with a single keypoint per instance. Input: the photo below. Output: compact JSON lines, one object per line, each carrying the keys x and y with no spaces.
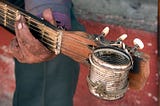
{"x":69,"y":51}
{"x":31,"y":19}
{"x":50,"y":40}
{"x":32,"y":28}
{"x":11,"y":9}
{"x":28,"y":18}
{"x":34,"y":21}
{"x":43,"y":34}
{"x":43,"y":38}
{"x":31,"y":25}
{"x":12,"y":27}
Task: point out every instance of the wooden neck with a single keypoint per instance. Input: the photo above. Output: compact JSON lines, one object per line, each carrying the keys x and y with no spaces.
{"x":41,"y":29}
{"x":73,"y":44}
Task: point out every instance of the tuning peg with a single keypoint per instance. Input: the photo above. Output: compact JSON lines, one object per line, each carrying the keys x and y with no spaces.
{"x":122,"y":37}
{"x":105,"y":31}
{"x":138,"y":43}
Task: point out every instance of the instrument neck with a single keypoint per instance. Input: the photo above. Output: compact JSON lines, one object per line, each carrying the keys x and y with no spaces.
{"x":41,"y":29}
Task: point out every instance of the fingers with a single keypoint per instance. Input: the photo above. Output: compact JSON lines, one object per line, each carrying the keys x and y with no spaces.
{"x":24,"y":36}
{"x":22,"y":31}
{"x":25,"y":47}
{"x":47,"y":15}
{"x":24,"y":39}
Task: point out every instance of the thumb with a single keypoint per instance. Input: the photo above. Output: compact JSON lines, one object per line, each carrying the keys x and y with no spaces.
{"x":47,"y":15}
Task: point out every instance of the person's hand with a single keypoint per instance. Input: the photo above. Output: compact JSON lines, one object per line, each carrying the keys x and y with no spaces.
{"x":24,"y":47}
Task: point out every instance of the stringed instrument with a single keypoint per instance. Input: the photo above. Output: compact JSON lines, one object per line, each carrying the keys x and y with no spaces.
{"x":111,"y":61}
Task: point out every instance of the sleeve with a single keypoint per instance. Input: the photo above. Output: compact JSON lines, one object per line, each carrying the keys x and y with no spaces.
{"x":61,"y":10}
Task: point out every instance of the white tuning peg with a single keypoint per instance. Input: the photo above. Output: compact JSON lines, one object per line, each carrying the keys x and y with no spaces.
{"x":122,"y":37}
{"x":138,"y":43}
{"x":105,"y":31}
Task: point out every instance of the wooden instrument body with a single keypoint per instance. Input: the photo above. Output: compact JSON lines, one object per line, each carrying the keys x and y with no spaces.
{"x":76,"y":45}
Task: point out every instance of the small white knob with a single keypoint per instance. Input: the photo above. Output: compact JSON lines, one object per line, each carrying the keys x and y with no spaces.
{"x":105,"y":31}
{"x":123,"y":37}
{"x":139,"y":43}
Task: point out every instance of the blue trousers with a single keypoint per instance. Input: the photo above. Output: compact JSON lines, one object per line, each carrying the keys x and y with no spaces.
{"x":51,"y":83}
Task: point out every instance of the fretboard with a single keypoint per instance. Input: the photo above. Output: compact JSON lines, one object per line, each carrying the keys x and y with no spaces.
{"x":74,"y":44}
{"x":41,"y":29}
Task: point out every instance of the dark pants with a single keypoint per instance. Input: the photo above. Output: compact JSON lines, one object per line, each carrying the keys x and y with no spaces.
{"x":51,"y":83}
